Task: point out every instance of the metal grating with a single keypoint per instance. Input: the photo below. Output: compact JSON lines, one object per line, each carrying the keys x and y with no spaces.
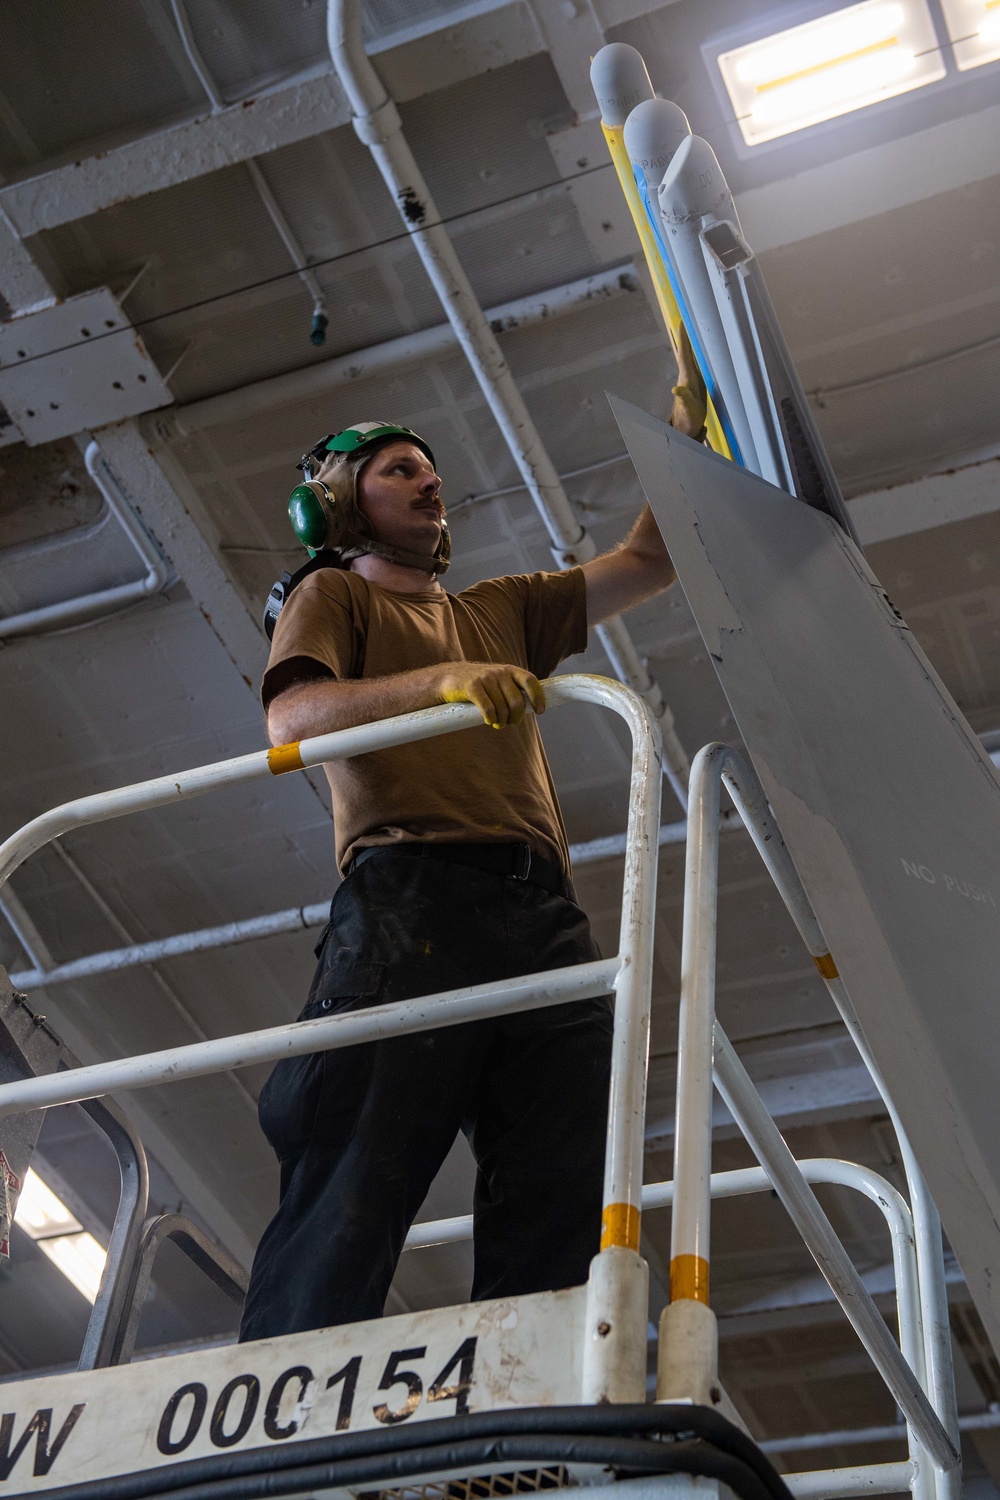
{"x":480,"y":1486}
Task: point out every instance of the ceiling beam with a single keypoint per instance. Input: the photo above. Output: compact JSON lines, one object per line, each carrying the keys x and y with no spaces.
{"x":22,"y":284}
{"x":922,"y":504}
{"x":294,"y":386}
{"x":423,"y":60}
{"x":805,"y":1078}
{"x":171,"y":509}
{"x":872,"y":182}
{"x":458,"y":45}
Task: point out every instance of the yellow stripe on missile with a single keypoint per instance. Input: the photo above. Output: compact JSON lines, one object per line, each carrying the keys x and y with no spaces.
{"x":615,"y":137}
{"x":284,"y":758}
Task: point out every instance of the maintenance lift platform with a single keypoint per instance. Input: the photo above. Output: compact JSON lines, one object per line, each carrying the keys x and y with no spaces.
{"x":544,"y":1391}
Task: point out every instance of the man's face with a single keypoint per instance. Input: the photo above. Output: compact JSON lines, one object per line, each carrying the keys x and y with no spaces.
{"x":399,"y":494}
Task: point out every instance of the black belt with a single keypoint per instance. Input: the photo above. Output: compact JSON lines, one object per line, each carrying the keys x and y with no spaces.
{"x":519,"y":861}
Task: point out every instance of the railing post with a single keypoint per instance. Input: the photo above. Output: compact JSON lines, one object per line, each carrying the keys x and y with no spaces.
{"x":688,"y":1344}
{"x":614,"y":1363}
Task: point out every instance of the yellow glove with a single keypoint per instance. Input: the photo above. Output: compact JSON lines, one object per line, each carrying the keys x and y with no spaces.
{"x":690,"y":394}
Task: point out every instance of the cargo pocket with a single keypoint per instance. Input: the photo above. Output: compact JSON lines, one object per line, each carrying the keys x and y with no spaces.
{"x":317,"y":1097}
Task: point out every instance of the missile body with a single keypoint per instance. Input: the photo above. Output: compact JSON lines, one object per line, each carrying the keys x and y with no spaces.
{"x":621,"y":83}
{"x":707,"y":280}
{"x":693,"y":191}
{"x":654,"y":133}
{"x":727,"y":295}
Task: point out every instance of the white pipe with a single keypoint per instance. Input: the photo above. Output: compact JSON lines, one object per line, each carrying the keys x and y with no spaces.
{"x":980,"y":1421}
{"x":292,"y":919}
{"x":401,"y":1018}
{"x":380,"y":734}
{"x":747,"y":1109}
{"x":634,"y":984}
{"x":27,"y":934}
{"x":395,"y":354}
{"x":689,"y":1229}
{"x":859,"y":1479}
{"x":85,"y":606}
{"x":378,"y":125}
{"x":295,"y":919}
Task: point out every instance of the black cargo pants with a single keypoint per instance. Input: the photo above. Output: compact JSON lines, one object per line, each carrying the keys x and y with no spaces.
{"x":360,"y":1133}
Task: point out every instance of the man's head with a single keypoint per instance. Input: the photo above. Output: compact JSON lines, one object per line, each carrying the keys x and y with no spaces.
{"x":398,"y":493}
{"x":376,"y":492}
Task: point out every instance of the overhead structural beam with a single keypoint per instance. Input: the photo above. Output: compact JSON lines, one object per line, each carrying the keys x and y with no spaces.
{"x":171,"y":510}
{"x":446,"y":51}
{"x":872,"y":182}
{"x":392,"y":355}
{"x":449,"y":49}
{"x":922,"y":504}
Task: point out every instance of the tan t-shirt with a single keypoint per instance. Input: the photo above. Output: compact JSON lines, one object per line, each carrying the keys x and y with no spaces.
{"x":479,"y":785}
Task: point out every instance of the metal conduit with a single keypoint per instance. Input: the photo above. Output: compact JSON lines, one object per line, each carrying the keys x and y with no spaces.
{"x":392,"y":355}
{"x":228,"y":934}
{"x":67,"y":612}
{"x":378,"y":125}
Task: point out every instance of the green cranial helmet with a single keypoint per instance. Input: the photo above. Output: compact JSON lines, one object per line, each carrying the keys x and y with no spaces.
{"x":325,"y":514}
{"x":362,"y":434}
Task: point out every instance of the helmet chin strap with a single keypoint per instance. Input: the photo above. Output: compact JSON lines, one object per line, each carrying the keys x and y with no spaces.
{"x":360,"y":545}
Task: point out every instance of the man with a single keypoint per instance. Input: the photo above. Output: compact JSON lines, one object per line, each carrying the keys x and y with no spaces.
{"x":456,"y":872}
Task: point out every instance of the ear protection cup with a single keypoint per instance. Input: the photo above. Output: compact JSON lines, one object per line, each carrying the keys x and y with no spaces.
{"x":319,"y":519}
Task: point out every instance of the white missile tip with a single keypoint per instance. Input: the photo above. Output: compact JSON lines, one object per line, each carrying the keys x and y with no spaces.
{"x":620,"y":81}
{"x":694,"y":184}
{"x":654,"y":131}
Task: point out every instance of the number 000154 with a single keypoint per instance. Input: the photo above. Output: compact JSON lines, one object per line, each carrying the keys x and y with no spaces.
{"x":401,"y":1388}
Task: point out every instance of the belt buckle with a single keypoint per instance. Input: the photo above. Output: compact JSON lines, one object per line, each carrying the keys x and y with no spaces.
{"x":522,"y":868}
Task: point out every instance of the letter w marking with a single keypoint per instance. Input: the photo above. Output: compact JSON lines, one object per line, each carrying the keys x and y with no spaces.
{"x":41,"y":1426}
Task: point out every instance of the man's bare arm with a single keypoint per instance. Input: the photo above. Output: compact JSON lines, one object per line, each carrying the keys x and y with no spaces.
{"x":501,"y":693}
{"x":636,"y":570}
{"x":640,"y":566}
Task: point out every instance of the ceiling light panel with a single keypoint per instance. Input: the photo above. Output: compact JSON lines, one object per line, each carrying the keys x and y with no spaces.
{"x":841,"y":62}
{"x":60,"y":1236}
{"x":974,"y":29}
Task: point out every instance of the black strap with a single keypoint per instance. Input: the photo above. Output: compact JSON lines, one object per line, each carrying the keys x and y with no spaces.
{"x":518,"y":861}
{"x":278,"y":597}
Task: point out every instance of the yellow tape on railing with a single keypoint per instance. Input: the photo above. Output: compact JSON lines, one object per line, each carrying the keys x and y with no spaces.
{"x":620,"y":1226}
{"x":284,"y":758}
{"x":826,"y":966}
{"x":615,"y":137}
{"x":689,"y":1279}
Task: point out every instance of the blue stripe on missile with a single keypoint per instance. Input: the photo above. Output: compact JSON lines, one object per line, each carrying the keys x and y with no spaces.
{"x":689,"y":323}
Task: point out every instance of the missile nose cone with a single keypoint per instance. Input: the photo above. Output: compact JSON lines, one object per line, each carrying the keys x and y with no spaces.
{"x":620,"y":81}
{"x":694,"y":184}
{"x":654,"y":132}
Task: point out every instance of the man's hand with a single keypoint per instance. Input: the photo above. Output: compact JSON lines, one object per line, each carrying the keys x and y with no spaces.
{"x":690,"y":396}
{"x":501,"y":693}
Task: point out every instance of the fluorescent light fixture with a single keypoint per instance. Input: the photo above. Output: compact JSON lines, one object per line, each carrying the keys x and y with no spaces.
{"x":827,"y":67}
{"x":60,"y":1236}
{"x":974,"y":29}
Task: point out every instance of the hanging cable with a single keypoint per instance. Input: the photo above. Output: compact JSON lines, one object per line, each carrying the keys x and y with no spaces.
{"x":320,"y":321}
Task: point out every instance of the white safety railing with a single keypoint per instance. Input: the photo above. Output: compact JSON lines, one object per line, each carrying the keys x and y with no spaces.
{"x":917,"y":1370}
{"x":920,"y":1374}
{"x":628,"y":976}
